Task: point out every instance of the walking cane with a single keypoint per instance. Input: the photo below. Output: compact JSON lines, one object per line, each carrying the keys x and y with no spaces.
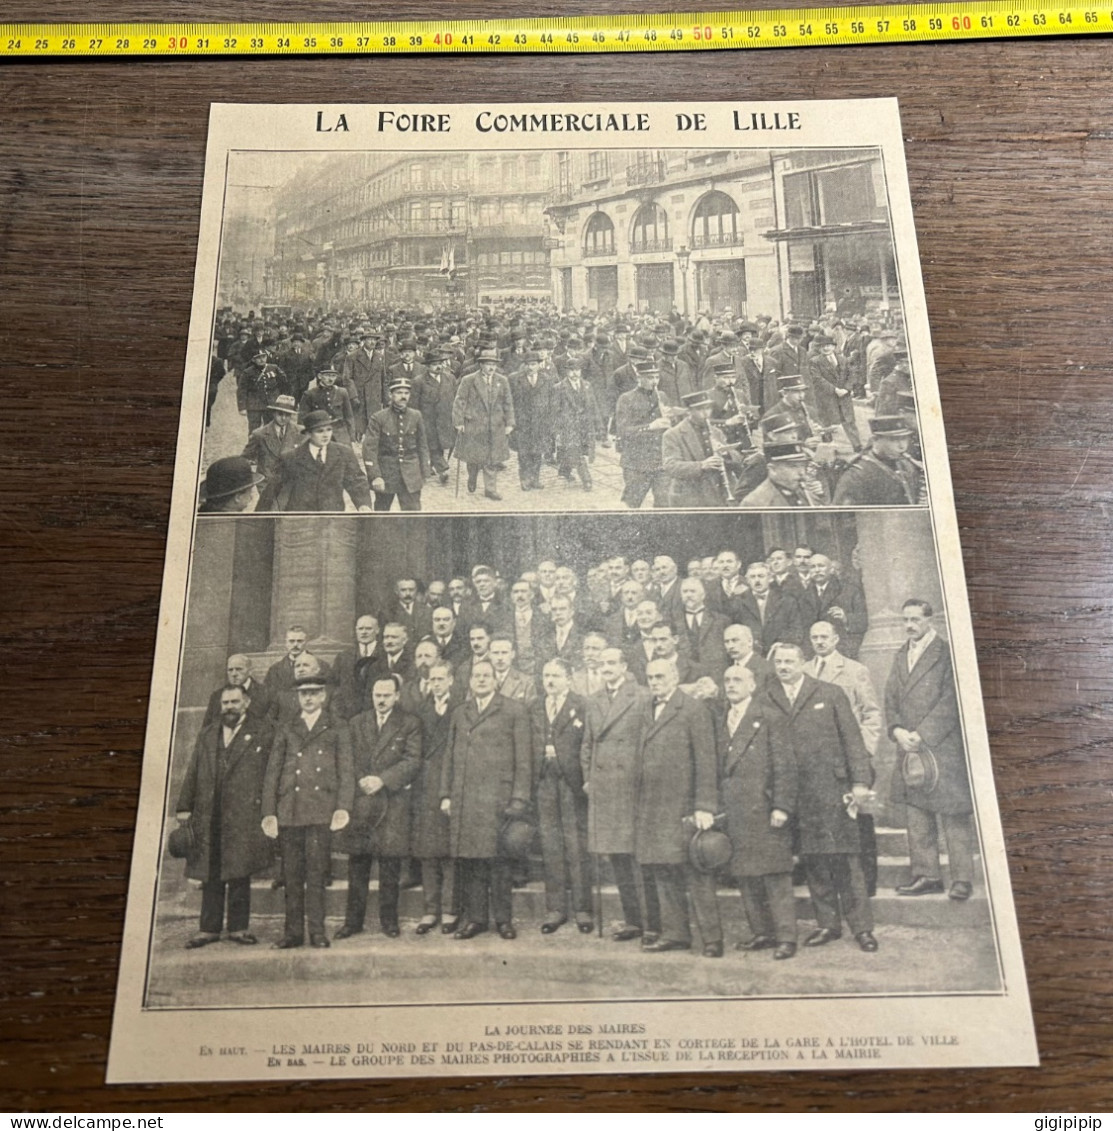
{"x":450,"y":455}
{"x":598,"y":893}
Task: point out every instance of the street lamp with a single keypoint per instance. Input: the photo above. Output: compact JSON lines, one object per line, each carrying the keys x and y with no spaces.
{"x":683,"y":257}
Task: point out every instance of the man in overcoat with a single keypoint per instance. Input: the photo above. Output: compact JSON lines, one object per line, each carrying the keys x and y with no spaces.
{"x":689,"y":460}
{"x":486,"y":781}
{"x":639,"y":422}
{"x":365,"y":370}
{"x":882,"y":475}
{"x":534,"y":420}
{"x":221,"y":797}
{"x":578,"y":423}
{"x":396,"y":451}
{"x":921,"y":709}
{"x":307,"y":795}
{"x":608,"y":757}
{"x":433,"y":399}
{"x":557,"y":727}
{"x":258,"y":382}
{"x":325,"y":395}
{"x":817,"y":723}
{"x":269,"y":443}
{"x":676,"y":792}
{"x":315,"y":475}
{"x":830,"y":382}
{"x":237,"y":673}
{"x":386,"y":753}
{"x":758,"y":779}
{"x":483,"y":416}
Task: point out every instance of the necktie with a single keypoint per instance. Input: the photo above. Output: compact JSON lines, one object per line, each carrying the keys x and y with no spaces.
{"x":819,"y":667}
{"x":441,"y":706}
{"x":612,"y":692}
{"x":550,"y":707}
{"x":658,"y":707}
{"x":320,"y":455}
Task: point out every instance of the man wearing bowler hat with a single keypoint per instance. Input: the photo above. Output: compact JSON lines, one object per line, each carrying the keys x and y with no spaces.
{"x":882,"y":475}
{"x":786,"y":468}
{"x":229,"y":487}
{"x":307,"y":796}
{"x":268,"y":444}
{"x":396,"y":451}
{"x":483,"y":416}
{"x":220,"y":801}
{"x":315,"y":475}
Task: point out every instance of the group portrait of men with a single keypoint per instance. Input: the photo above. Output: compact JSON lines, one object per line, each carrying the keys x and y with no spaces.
{"x":358,"y":410}
{"x":664,"y":734}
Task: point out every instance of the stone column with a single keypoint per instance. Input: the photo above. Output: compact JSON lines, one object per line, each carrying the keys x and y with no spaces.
{"x":315,"y":579}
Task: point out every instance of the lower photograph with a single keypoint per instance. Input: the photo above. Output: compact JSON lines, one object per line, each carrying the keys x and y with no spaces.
{"x":567,"y":758}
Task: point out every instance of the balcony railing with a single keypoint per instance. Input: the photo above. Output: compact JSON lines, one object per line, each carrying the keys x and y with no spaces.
{"x":646,"y":172}
{"x":717,"y":239}
{"x":596,"y":252}
{"x":639,"y":247}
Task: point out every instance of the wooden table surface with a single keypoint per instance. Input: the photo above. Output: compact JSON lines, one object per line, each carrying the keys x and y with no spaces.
{"x":1010,"y":156}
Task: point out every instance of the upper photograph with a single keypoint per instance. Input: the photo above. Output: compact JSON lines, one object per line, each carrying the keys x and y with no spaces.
{"x":559,"y":330}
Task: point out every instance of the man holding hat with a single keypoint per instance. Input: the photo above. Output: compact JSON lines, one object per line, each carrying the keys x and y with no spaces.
{"x":266,"y":445}
{"x":639,"y":424}
{"x":786,"y":468}
{"x":483,"y":416}
{"x":696,"y":472}
{"x":396,"y":451}
{"x":882,"y":475}
{"x":315,"y":475}
{"x":257,"y":384}
{"x":229,"y":487}
{"x":307,"y":795}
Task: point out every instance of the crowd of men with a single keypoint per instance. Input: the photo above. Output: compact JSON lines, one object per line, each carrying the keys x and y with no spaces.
{"x":704,"y":412}
{"x":667,"y":731}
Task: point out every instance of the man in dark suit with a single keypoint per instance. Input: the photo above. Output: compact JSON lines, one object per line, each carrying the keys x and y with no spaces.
{"x":738,"y":641}
{"x":355,"y":669}
{"x":557,"y":728}
{"x":666,"y":586}
{"x":534,"y":420}
{"x":316,"y":474}
{"x":759,"y":780}
{"x":433,"y":399}
{"x":621,"y":627}
{"x":768,"y":613}
{"x":727,"y":585}
{"x":578,"y":422}
{"x":386,"y":751}
{"x":406,"y":609}
{"x":921,"y":709}
{"x":396,"y":451}
{"x":563,"y":637}
{"x":398,"y":655}
{"x":364,"y":371}
{"x":452,"y":642}
{"x":486,"y":781}
{"x":269,"y":443}
{"x":834,"y":775}
{"x":238,"y":674}
{"x":608,"y":757}
{"x":486,"y":604}
{"x":219,"y":798}
{"x":639,"y":422}
{"x":676,"y":791}
{"x":828,"y":598}
{"x":702,"y":630}
{"x":315,"y":747}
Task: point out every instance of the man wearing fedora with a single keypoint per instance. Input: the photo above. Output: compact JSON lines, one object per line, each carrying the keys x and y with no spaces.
{"x":486,"y":781}
{"x":316,"y":474}
{"x":695,"y":470}
{"x":386,"y":750}
{"x":676,"y":787}
{"x":396,"y":451}
{"x":220,"y":803}
{"x":229,"y":487}
{"x":268,"y":444}
{"x":483,"y":416}
{"x":758,"y":780}
{"x":308,"y":793}
{"x":639,"y":423}
{"x":882,"y":475}
{"x":931,"y":779}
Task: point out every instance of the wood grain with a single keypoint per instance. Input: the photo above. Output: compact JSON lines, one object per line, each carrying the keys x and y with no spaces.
{"x":1010,"y":155}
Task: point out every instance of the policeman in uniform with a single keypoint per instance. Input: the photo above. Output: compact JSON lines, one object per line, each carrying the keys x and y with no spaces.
{"x":396,"y":451}
{"x":882,"y":475}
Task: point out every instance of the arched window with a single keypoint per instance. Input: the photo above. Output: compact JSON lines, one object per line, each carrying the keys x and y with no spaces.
{"x":716,"y":222}
{"x":651,"y":229}
{"x":599,"y":235}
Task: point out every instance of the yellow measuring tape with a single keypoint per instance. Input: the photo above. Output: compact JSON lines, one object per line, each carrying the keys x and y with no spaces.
{"x":695,"y":31}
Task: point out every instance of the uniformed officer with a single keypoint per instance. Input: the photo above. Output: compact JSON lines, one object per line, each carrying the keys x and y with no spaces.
{"x":396,"y":451}
{"x":639,"y":424}
{"x":882,"y":475}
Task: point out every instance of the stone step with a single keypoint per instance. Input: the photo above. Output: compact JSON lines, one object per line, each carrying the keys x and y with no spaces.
{"x":529,"y":905}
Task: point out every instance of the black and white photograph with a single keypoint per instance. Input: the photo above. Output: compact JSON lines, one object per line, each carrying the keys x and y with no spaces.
{"x":685,"y":769}
{"x":561,"y":330}
{"x":527,"y":783}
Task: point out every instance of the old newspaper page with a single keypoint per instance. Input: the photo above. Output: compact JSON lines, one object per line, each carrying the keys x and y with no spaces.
{"x":565,"y":662}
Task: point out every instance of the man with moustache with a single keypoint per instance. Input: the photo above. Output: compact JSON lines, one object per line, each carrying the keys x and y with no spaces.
{"x":396,"y":451}
{"x":237,"y":673}
{"x":219,"y":799}
{"x":454,"y":647}
{"x":769,"y":614}
{"x":415,"y":691}
{"x":525,"y":626}
{"x":355,"y":669}
{"x":407,"y":610}
{"x":828,"y":598}
{"x":622,"y":625}
{"x":486,"y":781}
{"x":738,"y":640}
{"x":667,"y":586}
{"x":386,"y":750}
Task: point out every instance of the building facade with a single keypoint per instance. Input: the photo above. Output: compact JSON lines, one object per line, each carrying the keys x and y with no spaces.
{"x":415,"y":229}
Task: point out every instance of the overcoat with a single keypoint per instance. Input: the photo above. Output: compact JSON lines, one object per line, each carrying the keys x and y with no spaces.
{"x":823,"y":735}
{"x":676,"y":775}
{"x":534,"y":414}
{"x":433,"y":399}
{"x":757,"y":774}
{"x":244,"y":849}
{"x":924,"y":700}
{"x":783,"y":622}
{"x":393,"y":754}
{"x":846,"y":596}
{"x":641,"y":445}
{"x":608,"y":758}
{"x":366,"y":374}
{"x":256,"y":388}
{"x":566,"y":735}
{"x":396,"y":448}
{"x":337,"y":403}
{"x":310,"y":774}
{"x":301,"y":483}
{"x":871,"y":481}
{"x":483,"y":412}
{"x":430,"y":825}
{"x":577,"y":419}
{"x":827,"y":375}
{"x":683,"y":450}
{"x":265,"y":447}
{"x":486,"y":768}
{"x":676,"y":381}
